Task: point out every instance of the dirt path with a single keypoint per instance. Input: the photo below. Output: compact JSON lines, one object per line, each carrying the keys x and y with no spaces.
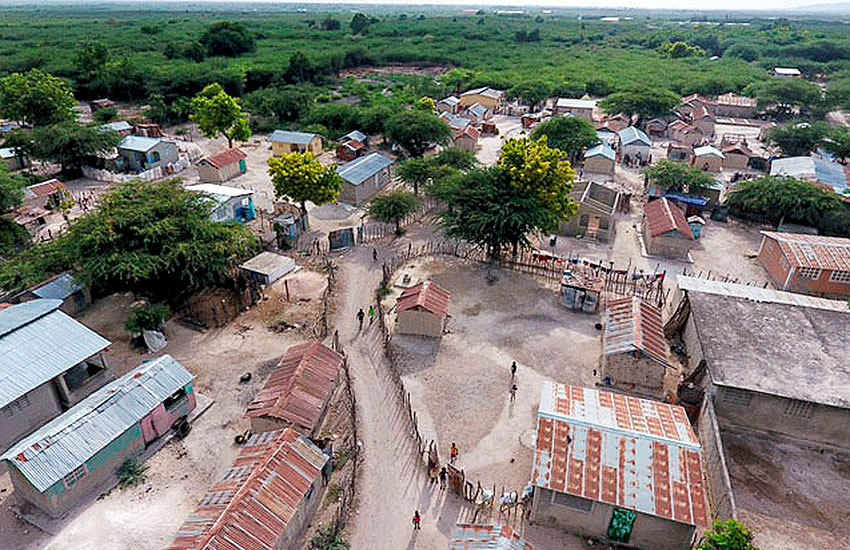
{"x":392,"y":483}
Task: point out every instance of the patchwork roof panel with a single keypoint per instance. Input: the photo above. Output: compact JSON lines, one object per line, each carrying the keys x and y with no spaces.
{"x":621,"y":450}
{"x":426,"y":295}
{"x":487,"y":537}
{"x":634,"y":325}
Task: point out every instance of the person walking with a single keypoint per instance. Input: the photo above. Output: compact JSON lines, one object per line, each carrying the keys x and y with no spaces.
{"x":360,"y":316}
{"x":371,"y":314}
{"x":513,"y":370}
{"x":453,"y":454}
{"x":374,"y":254}
{"x":513,"y":392}
{"x":444,"y":474}
{"x":417,"y":519}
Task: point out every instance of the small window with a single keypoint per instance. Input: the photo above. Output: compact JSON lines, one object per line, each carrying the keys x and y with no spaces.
{"x":839,"y":277}
{"x":76,"y":475}
{"x":174,"y":399}
{"x":17,"y":405}
{"x":736,"y":397}
{"x":812,"y":273}
{"x":799,"y":409}
{"x":155,"y":156}
{"x":572,"y":501}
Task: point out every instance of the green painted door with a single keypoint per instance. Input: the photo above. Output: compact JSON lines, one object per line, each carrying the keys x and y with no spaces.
{"x":622,"y":522}
{"x":242,"y":166}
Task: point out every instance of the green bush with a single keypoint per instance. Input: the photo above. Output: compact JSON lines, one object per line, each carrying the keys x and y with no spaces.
{"x":131,"y":473}
{"x":327,"y":539}
{"x":147,"y":317}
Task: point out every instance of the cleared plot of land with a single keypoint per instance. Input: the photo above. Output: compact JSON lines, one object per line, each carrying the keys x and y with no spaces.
{"x":791,"y":495}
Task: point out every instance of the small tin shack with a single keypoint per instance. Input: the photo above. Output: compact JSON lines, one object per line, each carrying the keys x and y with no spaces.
{"x":581,"y":289}
{"x":267,"y":267}
{"x":423,"y":309}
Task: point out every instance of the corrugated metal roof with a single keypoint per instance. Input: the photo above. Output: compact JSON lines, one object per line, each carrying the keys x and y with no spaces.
{"x":662,"y":217}
{"x":601,"y":150}
{"x":299,"y":386}
{"x":487,"y":537}
{"x":356,"y":135}
{"x":58,"y":288}
{"x":358,"y":171}
{"x":701,"y":112}
{"x":297,"y":138}
{"x":226,"y":158}
{"x":451,"y":100}
{"x":455,"y":122}
{"x":631,"y":134}
{"x":252,"y":504}
{"x":267,"y":263}
{"x":486,"y":92}
{"x":568,"y":103}
{"x":708,"y":150}
{"x":815,"y":251}
{"x":634,"y":325}
{"x":735,"y":100}
{"x":44,"y":189}
{"x":757,"y":294}
{"x":7,"y":152}
{"x":428,"y":296}
{"x":478,"y":110}
{"x":38,"y":343}
{"x":139,"y":143}
{"x":812,"y":168}
{"x":787,"y":71}
{"x":625,"y":451}
{"x":68,"y":441}
{"x":118,"y":126}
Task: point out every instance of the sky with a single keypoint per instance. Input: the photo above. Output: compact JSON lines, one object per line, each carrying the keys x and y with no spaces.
{"x":768,"y":5}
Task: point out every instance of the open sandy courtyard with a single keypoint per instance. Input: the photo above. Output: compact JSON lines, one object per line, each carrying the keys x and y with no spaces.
{"x":460,"y":384}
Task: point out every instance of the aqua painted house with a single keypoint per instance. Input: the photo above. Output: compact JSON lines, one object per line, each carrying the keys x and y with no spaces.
{"x":76,"y":457}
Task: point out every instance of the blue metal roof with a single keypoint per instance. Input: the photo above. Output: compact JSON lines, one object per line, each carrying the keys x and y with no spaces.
{"x":68,"y":441}
{"x":813,"y":167}
{"x":631,"y":134}
{"x":603,"y":149}
{"x":356,"y":135}
{"x":139,"y":143}
{"x":38,"y":343}
{"x":117,"y":126}
{"x":479,"y":110}
{"x":358,"y":171}
{"x":59,"y":288}
{"x":692,"y":200}
{"x":297,"y":138}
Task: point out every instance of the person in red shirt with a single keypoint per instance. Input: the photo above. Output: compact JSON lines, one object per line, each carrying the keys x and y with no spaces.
{"x":417,"y":519}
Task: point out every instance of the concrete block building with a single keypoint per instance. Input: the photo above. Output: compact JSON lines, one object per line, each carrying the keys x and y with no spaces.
{"x":48,"y":363}
{"x":364,"y":177}
{"x":808,"y":264}
{"x":229,"y":204}
{"x":600,"y":160}
{"x":621,"y":469}
{"x":77,"y":455}
{"x":222,"y":166}
{"x":284,"y":142}
{"x":634,"y":350}
{"x":666,"y":231}
{"x":776,"y":362}
{"x":144,"y":153}
{"x":298,"y":391}
{"x":598,"y":205}
{"x":423,"y":310}
{"x":265,"y":500}
{"x":579,"y":108}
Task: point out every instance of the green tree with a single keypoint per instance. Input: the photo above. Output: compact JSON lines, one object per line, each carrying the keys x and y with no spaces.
{"x":568,"y":134}
{"x":414,"y":131}
{"x":107,"y":114}
{"x":284,"y":104}
{"x":300,"y":177}
{"x":798,"y":138}
{"x":71,"y":145}
{"x":393,"y":207}
{"x":300,"y":69}
{"x":677,"y":50}
{"x":534,"y":168}
{"x":418,"y":172}
{"x":782,"y":95}
{"x":36,"y":98}
{"x":457,"y":79}
{"x":837,"y":143}
{"x":728,"y":535}
{"x":531,"y":92}
{"x":155,"y":239}
{"x":679,"y":177}
{"x":11,"y":189}
{"x":228,"y":39}
{"x":330,"y":24}
{"x":359,"y":23}
{"x":90,"y":62}
{"x":426,"y":104}
{"x":645,"y":102}
{"x":457,"y":158}
{"x":216,"y":113}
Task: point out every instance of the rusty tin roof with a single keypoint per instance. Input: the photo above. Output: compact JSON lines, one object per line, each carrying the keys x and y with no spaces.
{"x":663,"y":217}
{"x":634,"y":325}
{"x":487,"y":537}
{"x":814,"y":251}
{"x":426,"y":295}
{"x":621,"y":450}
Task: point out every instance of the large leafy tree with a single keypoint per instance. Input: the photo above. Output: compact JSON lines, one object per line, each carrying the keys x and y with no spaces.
{"x":457,"y":158}
{"x":728,"y":535}
{"x":415,"y":131}
{"x":418,"y":172}
{"x":71,"y":145}
{"x":11,"y":189}
{"x":393,"y":207}
{"x":360,"y":22}
{"x":36,"y":98}
{"x":300,"y":177}
{"x":284,"y":104}
{"x":531,"y":92}
{"x":645,"y":102}
{"x":799,"y":138}
{"x":568,"y":134}
{"x":679,"y":177}
{"x":227,"y":38}
{"x":782,"y":95}
{"x":774,"y":198}
{"x":151,"y":238}
{"x":90,"y":62}
{"x":497,"y":208}
{"x":216,"y":113}
{"x":837,"y":143}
